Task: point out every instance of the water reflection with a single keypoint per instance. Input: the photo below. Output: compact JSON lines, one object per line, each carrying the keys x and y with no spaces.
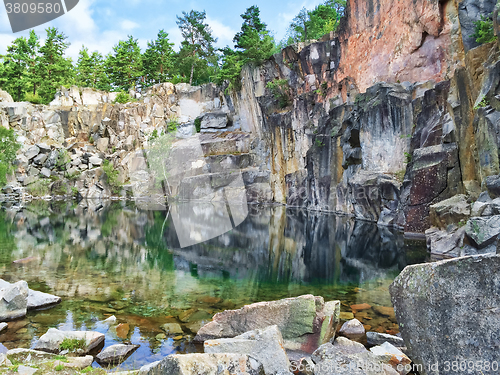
{"x":128,"y":262}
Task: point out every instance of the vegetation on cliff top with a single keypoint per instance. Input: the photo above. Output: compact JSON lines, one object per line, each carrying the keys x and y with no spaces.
{"x":33,"y":71}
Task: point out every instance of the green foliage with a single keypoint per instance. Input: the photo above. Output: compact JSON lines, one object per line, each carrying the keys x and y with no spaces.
{"x":74,"y":191}
{"x":35,"y":99}
{"x":313,"y":24}
{"x":63,"y":159}
{"x":91,"y":70}
{"x":61,"y":358}
{"x":230,"y":69}
{"x":197,"y":124}
{"x":91,"y":140}
{"x":319,"y":143}
{"x":483,"y":31}
{"x":483,"y":103}
{"x":72,"y":344}
{"x":52,"y":69}
{"x":408,"y":157}
{"x":125,"y":64}
{"x":59,"y":368}
{"x":112,"y":175}
{"x":39,"y":188}
{"x":158,"y":60}
{"x":123,"y":98}
{"x":462,"y":223}
{"x":254,"y":40}
{"x":279,"y":88}
{"x":8,"y":150}
{"x":197,"y":52}
{"x":172,"y":125}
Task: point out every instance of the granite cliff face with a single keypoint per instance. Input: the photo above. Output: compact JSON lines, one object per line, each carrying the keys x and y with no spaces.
{"x":379,"y":121}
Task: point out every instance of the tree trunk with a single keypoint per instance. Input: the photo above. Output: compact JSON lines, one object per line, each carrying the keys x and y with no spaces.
{"x":495,"y":22}
{"x":191,"y":77}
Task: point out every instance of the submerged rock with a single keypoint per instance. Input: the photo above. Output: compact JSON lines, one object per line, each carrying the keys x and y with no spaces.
{"x":353,"y":329}
{"x":449,"y":309}
{"x":115,"y":354}
{"x":36,"y":299}
{"x":206,"y":364}
{"x":376,"y":338}
{"x":264,"y":345}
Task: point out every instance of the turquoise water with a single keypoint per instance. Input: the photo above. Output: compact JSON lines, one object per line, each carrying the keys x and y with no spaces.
{"x":120,"y":260}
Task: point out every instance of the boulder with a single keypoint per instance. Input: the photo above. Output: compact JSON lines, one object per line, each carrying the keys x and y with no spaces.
{"x":52,"y":339}
{"x":265,"y":345}
{"x":36,"y":299}
{"x":353,"y":330}
{"x":293,"y":316}
{"x":5,"y":97}
{"x":3,"y":326}
{"x":40,"y":159}
{"x":13,"y":300}
{"x":95,"y":160}
{"x":376,"y":338}
{"x":115,"y":354}
{"x":77,"y":363}
{"x":26,"y":370}
{"x":346,"y":358}
{"x":172,"y":328}
{"x":31,"y":152}
{"x":102,"y":144}
{"x":45,"y":172}
{"x":33,"y":357}
{"x":390,"y":354}
{"x":483,"y":230}
{"x":52,"y":159}
{"x":447,"y":243}
{"x":206,"y":364}
{"x":450,"y":211}
{"x":216,"y":120}
{"x":449,"y":309}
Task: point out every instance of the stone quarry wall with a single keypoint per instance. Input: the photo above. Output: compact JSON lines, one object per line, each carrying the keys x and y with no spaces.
{"x":379,"y":121}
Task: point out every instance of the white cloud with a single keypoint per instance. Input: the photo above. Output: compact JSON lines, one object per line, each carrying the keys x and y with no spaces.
{"x":129,"y":25}
{"x":223,"y":33}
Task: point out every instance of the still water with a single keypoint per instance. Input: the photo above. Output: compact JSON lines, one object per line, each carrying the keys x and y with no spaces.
{"x":122,"y":260}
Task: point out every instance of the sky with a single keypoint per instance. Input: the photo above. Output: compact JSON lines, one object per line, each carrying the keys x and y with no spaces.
{"x":99,"y":24}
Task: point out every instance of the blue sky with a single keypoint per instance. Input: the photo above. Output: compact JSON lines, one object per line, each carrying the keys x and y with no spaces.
{"x":99,"y":24}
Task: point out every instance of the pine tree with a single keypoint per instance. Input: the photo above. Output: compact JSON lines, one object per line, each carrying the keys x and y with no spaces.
{"x":125,"y":64}
{"x":197,"y":49}
{"x":18,"y":62}
{"x":254,"y":40}
{"x":91,"y":70}
{"x":52,"y":69}
{"x":158,"y":60}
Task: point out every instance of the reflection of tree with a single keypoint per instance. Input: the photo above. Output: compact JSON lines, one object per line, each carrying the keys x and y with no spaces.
{"x":156,"y":155}
{"x":158,"y":254}
{"x":7,"y":240}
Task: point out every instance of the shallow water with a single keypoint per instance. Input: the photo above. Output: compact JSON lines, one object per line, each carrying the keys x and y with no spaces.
{"x":124,"y":261}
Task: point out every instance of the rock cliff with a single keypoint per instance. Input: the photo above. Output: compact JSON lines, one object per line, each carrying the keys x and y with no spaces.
{"x":387,"y":117}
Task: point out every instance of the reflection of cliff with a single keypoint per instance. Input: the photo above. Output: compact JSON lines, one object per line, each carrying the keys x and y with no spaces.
{"x":278,"y":245}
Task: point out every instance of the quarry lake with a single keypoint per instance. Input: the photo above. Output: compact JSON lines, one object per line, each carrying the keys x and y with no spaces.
{"x":124,"y":260}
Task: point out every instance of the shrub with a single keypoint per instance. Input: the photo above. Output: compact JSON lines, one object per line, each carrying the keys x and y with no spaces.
{"x":72,"y":344}
{"x":112,"y":175}
{"x":123,"y":98}
{"x":172,"y":125}
{"x":8,"y":150}
{"x":63,"y":159}
{"x":483,"y":32}
{"x":279,"y":88}
{"x":197,"y":124}
{"x":408,"y":157}
{"x":34,"y":99}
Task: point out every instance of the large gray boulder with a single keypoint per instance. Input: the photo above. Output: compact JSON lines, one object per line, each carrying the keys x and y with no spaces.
{"x":13,"y":300}
{"x":5,"y":97}
{"x":115,"y":354}
{"x":36,"y":299}
{"x":264,"y":345}
{"x":293,"y":316}
{"x":205,"y":364}
{"x":448,"y":310}
{"x":450,"y":211}
{"x":346,"y":357}
{"x":53,"y":338}
{"x":483,"y":230}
